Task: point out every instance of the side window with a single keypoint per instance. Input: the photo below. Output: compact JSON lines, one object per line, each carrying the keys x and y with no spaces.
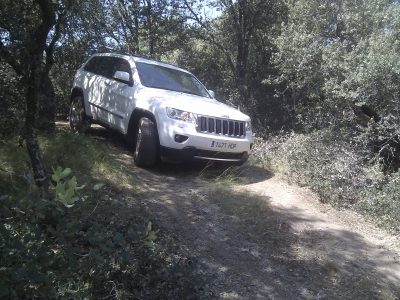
{"x":93,"y":65}
{"x":121,"y":64}
{"x":107,"y":66}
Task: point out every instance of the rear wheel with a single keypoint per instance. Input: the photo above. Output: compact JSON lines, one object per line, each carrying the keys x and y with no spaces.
{"x":146,"y":146}
{"x":78,"y":120}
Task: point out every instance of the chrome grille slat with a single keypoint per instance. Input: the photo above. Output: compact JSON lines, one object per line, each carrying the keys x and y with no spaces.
{"x":219,"y":126}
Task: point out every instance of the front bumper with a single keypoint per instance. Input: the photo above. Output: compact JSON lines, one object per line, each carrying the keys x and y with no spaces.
{"x":190,"y":153}
{"x":203,"y":141}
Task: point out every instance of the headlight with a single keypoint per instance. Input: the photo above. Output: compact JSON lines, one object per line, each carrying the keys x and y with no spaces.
{"x":248,"y":126}
{"x":181,"y":115}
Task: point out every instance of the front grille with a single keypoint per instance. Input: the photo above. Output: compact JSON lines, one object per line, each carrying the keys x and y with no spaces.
{"x":221,"y":126}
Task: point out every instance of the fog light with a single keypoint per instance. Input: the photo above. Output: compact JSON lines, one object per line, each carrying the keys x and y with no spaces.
{"x":180,"y":138}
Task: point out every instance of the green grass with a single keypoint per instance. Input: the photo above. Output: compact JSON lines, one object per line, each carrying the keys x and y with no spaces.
{"x":90,"y":159}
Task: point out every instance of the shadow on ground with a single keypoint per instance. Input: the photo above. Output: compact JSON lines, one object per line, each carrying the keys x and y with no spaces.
{"x":256,"y":254}
{"x":248,"y":245}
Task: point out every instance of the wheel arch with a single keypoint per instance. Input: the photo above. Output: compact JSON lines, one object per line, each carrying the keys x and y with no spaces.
{"x":136,"y":115}
{"x":75,"y":92}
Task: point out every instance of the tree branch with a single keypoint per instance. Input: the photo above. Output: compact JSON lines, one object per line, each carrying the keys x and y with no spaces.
{"x":48,"y":21}
{"x":212,"y":39}
{"x":57,"y":35}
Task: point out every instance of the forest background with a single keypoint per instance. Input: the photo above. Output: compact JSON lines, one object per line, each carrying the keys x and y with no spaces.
{"x":320,"y":80}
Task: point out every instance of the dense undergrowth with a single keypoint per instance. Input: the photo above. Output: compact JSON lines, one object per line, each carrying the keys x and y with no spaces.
{"x":341,"y":166}
{"x":104,"y":247}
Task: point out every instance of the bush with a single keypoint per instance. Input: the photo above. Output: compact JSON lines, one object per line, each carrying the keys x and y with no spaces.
{"x":338,"y":167}
{"x":11,"y":108}
{"x":50,"y":252}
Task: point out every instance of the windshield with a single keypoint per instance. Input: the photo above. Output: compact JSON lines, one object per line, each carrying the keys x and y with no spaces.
{"x":170,"y":79}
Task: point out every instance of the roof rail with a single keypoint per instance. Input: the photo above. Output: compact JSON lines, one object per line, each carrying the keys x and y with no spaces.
{"x":145,"y":57}
{"x":139,"y":56}
{"x":150,"y":58}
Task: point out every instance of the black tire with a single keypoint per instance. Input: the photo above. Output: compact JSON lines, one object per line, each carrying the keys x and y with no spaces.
{"x":146,"y":143}
{"x":78,"y":121}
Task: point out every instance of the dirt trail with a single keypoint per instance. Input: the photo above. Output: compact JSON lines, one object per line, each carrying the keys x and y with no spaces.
{"x":297,"y":249}
{"x":261,"y":238}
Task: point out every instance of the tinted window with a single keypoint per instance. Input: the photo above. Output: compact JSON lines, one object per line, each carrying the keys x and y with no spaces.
{"x":93,"y":65}
{"x":169,"y":79}
{"x":107,"y":66}
{"x":120,"y":64}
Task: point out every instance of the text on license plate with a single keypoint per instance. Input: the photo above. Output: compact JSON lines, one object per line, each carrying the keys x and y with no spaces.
{"x":223,"y":145}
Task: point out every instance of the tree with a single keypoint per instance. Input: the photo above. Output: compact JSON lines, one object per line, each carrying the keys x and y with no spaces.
{"x":234,"y":34}
{"x":333,"y":55}
{"x":27,"y":44}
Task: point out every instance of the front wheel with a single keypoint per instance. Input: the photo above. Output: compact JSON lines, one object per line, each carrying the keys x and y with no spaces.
{"x":146,"y":146}
{"x":77,"y":117}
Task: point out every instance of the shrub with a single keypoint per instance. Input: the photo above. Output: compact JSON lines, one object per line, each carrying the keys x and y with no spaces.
{"x":338,"y":167}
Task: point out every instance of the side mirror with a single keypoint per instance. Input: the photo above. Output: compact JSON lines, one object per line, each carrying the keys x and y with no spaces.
{"x":212,"y":93}
{"x":123,"y":77}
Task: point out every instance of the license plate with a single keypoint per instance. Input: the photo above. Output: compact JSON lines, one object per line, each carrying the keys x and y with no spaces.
{"x":223,"y":145}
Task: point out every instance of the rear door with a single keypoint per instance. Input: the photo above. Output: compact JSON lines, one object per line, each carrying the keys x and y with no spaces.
{"x":99,"y":70}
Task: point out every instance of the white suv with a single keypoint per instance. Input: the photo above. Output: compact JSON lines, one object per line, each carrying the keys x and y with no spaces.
{"x":164,"y":111}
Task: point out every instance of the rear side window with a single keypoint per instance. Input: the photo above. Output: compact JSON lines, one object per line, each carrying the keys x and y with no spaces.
{"x":107,"y":66}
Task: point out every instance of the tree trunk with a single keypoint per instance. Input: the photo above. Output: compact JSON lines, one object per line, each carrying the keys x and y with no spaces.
{"x":136,"y":21}
{"x":33,"y":79}
{"x":47,"y":105}
{"x":29,"y":64}
{"x":32,"y":94}
{"x":244,"y":29}
{"x":150,"y":28}
{"x":241,"y":70}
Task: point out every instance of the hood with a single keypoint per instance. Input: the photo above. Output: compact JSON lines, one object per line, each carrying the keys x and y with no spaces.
{"x":191,"y":103}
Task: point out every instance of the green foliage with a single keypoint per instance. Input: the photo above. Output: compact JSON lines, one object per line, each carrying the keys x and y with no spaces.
{"x":72,"y":256}
{"x":333,"y":55}
{"x":233,"y":57}
{"x":66,"y":187}
{"x":103,"y":247}
{"x":149,"y":236}
{"x":10,"y":109}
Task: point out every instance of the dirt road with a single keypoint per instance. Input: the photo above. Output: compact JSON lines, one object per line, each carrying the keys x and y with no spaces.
{"x":265,"y":239}
{"x":261,"y":238}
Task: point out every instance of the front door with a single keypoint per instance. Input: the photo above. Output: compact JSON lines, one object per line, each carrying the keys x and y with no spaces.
{"x":120,"y":96}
